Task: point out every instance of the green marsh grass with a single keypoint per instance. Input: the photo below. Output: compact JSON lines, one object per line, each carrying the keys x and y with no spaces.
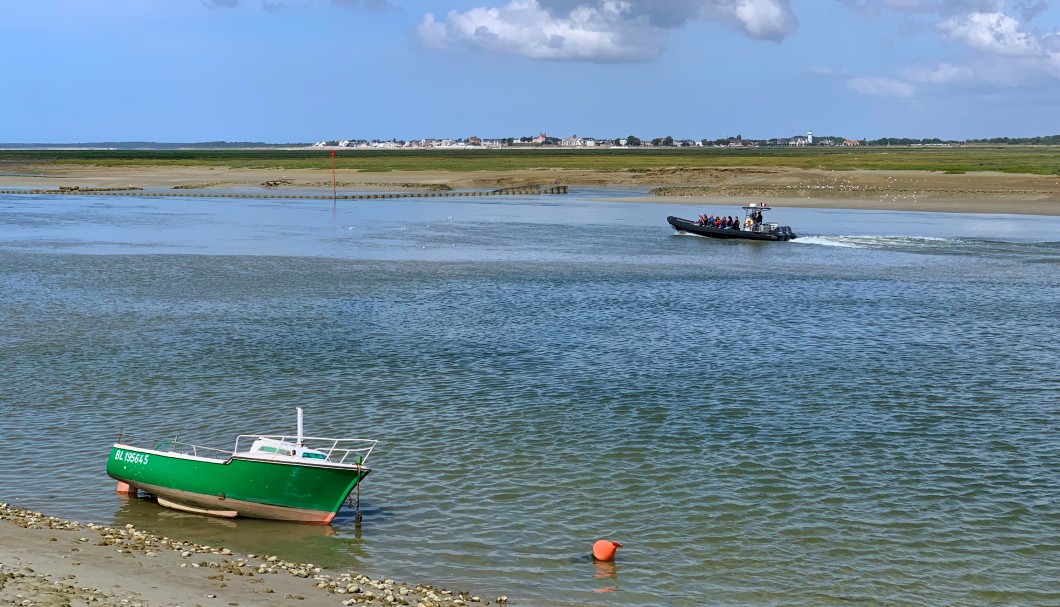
{"x":1039,"y":160}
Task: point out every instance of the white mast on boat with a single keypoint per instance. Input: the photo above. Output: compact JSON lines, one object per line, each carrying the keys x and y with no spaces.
{"x":299,"y":441}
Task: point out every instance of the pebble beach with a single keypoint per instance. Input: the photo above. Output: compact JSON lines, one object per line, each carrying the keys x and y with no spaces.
{"x":52,"y":562}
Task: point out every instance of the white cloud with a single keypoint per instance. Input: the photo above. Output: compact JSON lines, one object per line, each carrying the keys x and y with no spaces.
{"x":999,"y":51}
{"x":942,"y":73}
{"x":1029,"y":9}
{"x":881,"y":87}
{"x":598,"y":30}
{"x":826,"y":71}
{"x":941,"y":7}
{"x":762,"y":19}
{"x":603,"y":33}
{"x":1051,"y":43}
{"x":991,"y":32}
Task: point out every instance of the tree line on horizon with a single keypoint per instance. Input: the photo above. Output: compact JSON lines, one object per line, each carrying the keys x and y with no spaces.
{"x":828,"y":140}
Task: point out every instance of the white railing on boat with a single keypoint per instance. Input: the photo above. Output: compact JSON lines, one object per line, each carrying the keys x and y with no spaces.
{"x":342,"y":451}
{"x":173,"y":446}
{"x":339,"y":451}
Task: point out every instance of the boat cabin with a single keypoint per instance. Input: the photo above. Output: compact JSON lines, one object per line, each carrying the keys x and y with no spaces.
{"x":753,"y":220}
{"x":271,"y":448}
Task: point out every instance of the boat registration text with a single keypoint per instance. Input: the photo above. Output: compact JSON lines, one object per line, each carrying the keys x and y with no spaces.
{"x":132,"y":458}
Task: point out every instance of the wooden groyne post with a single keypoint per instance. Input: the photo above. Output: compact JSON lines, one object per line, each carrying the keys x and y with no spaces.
{"x":516,"y":191}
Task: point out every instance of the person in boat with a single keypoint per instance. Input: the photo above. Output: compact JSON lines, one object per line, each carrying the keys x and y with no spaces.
{"x":748,"y":223}
{"x":702,"y":220}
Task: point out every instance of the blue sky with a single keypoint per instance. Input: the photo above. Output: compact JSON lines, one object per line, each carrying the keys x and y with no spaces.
{"x":306,"y":70}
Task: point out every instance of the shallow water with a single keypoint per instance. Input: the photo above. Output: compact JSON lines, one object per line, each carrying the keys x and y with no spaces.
{"x":868,"y":414}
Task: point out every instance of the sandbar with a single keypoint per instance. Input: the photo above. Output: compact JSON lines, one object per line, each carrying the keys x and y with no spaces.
{"x":927,"y":191}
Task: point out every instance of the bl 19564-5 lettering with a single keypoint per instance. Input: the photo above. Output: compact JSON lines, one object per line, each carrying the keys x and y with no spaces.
{"x":130,"y":457}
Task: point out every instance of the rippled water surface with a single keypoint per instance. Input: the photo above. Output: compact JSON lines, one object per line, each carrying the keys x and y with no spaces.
{"x":867,"y":415}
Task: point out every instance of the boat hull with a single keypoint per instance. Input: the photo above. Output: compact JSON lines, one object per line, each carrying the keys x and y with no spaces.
{"x":279,"y":490}
{"x":684,"y":225}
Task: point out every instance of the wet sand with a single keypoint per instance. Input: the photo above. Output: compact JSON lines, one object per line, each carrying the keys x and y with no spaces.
{"x":779,"y":186}
{"x":50,"y":562}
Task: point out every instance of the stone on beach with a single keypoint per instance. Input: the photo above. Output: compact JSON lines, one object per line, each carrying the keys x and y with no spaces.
{"x":47,"y":560}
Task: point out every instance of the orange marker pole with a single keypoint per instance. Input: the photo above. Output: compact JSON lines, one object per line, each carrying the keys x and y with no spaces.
{"x":604,"y":550}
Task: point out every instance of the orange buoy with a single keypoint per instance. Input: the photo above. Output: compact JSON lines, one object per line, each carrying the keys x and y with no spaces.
{"x":124,"y":487}
{"x":604,"y":550}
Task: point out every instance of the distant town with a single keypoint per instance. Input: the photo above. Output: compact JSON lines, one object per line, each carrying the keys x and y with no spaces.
{"x":545,"y":141}
{"x":573,"y":141}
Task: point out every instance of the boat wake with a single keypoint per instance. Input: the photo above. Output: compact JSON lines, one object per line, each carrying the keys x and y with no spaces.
{"x":825,"y":241}
{"x":879,"y":242}
{"x":1033,"y":252}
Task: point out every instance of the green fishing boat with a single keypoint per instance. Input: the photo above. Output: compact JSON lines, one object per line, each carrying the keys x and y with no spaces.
{"x":289,"y":478}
